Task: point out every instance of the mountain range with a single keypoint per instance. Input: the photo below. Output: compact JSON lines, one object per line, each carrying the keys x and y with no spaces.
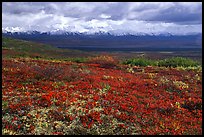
{"x":102,"y":40}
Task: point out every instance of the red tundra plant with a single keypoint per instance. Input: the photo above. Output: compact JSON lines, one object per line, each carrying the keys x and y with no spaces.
{"x":103,"y":101}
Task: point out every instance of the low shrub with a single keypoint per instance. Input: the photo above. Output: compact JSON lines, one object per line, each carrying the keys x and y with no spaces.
{"x":178,"y":62}
{"x":105,"y":61}
{"x":77,"y":60}
{"x":169,"y":62}
{"x":140,"y":62}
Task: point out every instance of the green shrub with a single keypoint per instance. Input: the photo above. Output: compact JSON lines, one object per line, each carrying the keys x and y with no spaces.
{"x":170,"y":62}
{"x":178,"y":62}
{"x":77,"y":60}
{"x":140,"y":62}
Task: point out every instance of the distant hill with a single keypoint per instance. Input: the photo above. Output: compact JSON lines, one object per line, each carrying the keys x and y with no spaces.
{"x":21,"y":48}
{"x":108,"y":41}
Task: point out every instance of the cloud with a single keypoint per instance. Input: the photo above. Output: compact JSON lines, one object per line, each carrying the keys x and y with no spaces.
{"x":104,"y":16}
{"x":116,"y":17}
{"x":20,"y":8}
{"x":181,"y":13}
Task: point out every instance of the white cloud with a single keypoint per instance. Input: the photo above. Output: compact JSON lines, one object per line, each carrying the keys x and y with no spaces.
{"x":104,"y":16}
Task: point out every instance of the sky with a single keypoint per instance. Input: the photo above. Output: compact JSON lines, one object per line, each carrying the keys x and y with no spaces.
{"x":177,"y":18}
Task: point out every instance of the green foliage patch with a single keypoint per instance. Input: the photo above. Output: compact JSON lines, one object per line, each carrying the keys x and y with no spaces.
{"x":77,"y":60}
{"x":178,"y":62}
{"x":140,"y":62}
{"x":169,"y":62}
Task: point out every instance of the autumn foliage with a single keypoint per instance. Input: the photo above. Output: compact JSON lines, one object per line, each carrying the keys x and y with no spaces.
{"x":62,"y":98}
{"x":104,"y":61}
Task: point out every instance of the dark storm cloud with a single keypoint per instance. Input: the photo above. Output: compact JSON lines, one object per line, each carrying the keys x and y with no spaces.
{"x":179,"y":14}
{"x":22,"y":7}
